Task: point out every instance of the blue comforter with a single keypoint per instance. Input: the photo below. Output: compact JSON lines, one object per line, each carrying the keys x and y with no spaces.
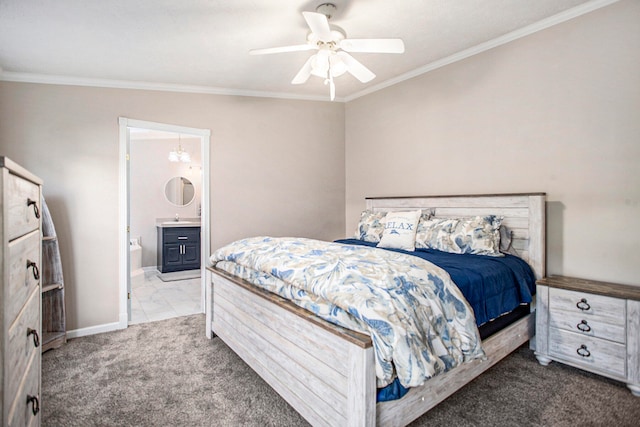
{"x":493,"y":286}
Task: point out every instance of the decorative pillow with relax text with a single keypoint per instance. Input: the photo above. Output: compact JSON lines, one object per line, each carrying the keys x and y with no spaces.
{"x":370,"y":226}
{"x":400,"y":230}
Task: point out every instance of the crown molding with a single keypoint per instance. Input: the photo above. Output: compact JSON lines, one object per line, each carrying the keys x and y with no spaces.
{"x":50,"y":79}
{"x":168,"y":87}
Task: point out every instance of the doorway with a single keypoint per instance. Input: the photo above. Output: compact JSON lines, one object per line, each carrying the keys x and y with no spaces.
{"x":163,"y":137}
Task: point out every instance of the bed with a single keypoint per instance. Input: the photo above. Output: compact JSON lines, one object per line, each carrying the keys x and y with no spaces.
{"x":337,"y":385}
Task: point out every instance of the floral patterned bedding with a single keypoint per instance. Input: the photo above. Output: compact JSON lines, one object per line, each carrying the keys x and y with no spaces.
{"x":419,"y":322}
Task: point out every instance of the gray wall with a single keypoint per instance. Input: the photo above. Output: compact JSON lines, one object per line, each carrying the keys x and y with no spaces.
{"x":276,"y":168}
{"x":557,"y":111}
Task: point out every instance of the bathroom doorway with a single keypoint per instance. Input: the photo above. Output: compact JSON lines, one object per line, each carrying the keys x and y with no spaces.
{"x":164,"y":190}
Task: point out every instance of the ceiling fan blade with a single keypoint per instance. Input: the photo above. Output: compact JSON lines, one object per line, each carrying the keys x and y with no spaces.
{"x":373,"y":45}
{"x":295,"y":48}
{"x":304,"y":73}
{"x":318,"y":24}
{"x":356,"y":69}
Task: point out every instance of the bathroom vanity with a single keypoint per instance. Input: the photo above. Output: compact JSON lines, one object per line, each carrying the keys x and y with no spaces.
{"x":178,"y":245}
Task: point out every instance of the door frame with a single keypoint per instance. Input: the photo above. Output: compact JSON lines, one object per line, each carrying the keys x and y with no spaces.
{"x":124,"y":275}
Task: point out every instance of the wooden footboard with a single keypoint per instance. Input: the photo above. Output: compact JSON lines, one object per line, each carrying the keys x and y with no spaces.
{"x":325,"y":372}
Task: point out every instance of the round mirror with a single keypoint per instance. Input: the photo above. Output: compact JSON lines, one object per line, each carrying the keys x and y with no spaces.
{"x":179,"y":191}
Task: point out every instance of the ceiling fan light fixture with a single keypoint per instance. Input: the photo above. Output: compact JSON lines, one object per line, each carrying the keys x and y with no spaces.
{"x":332,"y":45}
{"x":337,"y":65}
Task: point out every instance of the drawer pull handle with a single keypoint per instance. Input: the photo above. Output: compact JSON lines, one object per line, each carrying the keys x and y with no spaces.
{"x":583,"y":305}
{"x":35,"y":404}
{"x":36,"y":211}
{"x":583,"y":326}
{"x":36,"y":337}
{"x":36,"y":272}
{"x":582,"y":351}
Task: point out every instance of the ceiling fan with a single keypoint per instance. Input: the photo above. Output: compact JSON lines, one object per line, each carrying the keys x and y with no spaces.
{"x":333,"y":47}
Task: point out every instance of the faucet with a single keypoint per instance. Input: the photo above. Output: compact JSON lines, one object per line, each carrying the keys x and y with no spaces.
{"x":177,"y":217}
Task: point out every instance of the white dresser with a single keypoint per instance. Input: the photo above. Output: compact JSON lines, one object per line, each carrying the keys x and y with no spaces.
{"x":591,"y":325}
{"x":20,"y":332}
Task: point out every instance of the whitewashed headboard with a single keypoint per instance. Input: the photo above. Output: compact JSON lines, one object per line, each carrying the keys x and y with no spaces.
{"x":524,"y":215}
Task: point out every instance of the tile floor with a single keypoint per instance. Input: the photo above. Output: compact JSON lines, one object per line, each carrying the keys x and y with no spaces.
{"x":152,"y":299}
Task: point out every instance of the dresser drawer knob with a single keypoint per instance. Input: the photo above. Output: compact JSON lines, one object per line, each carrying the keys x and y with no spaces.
{"x":36,"y":337}
{"x":36,"y":272}
{"x":33,"y":203}
{"x":583,"y":305}
{"x":35,"y":404}
{"x":583,"y":326}
{"x":582,"y":351}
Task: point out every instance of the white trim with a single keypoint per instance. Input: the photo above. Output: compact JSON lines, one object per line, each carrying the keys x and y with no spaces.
{"x":559,"y":18}
{"x":92,"y":330}
{"x":205,"y":141}
{"x":11,"y":76}
{"x":123,"y":235}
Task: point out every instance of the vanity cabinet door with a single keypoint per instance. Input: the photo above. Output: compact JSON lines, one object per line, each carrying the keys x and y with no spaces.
{"x":191,"y":255}
{"x":172,"y":255}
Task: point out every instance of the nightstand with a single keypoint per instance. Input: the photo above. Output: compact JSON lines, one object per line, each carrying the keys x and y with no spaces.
{"x":590,"y":325}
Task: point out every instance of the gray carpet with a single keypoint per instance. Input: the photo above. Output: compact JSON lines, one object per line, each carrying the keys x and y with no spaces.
{"x":168,"y":374}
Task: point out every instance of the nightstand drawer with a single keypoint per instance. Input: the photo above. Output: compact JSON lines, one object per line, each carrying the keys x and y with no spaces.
{"x":588,"y":352}
{"x":605,"y":309}
{"x":588,"y":325}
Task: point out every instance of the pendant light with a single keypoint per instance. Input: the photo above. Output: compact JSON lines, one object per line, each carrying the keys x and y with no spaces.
{"x":179,"y":155}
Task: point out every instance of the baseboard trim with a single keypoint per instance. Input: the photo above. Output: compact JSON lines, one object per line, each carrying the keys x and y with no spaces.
{"x":92,"y":330}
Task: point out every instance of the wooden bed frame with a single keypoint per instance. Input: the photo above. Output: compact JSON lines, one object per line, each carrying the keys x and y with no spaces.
{"x":326,"y":372}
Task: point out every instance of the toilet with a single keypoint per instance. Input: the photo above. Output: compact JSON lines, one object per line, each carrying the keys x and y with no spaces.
{"x":135,"y":251}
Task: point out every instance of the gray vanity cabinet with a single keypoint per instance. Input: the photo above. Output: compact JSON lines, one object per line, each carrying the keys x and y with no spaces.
{"x":178,"y":248}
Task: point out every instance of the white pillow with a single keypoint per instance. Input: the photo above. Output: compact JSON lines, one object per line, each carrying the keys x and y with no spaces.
{"x":400,"y":230}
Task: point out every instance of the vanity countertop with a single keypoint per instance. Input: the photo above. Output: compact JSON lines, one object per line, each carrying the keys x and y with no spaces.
{"x":172,"y":223}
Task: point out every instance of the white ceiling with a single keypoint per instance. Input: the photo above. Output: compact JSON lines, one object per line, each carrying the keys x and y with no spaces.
{"x":202,"y":45}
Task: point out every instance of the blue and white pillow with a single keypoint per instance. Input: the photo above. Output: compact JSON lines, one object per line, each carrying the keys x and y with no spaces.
{"x":479,"y":235}
{"x":400,"y":230}
{"x":370,"y":226}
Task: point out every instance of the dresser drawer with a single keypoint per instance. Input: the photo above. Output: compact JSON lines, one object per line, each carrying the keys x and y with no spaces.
{"x":588,"y":352}
{"x":23,"y":206}
{"x":22,"y":343}
{"x":605,"y":309}
{"x":588,"y":325}
{"x":27,"y":400}
{"x":24,"y":273}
